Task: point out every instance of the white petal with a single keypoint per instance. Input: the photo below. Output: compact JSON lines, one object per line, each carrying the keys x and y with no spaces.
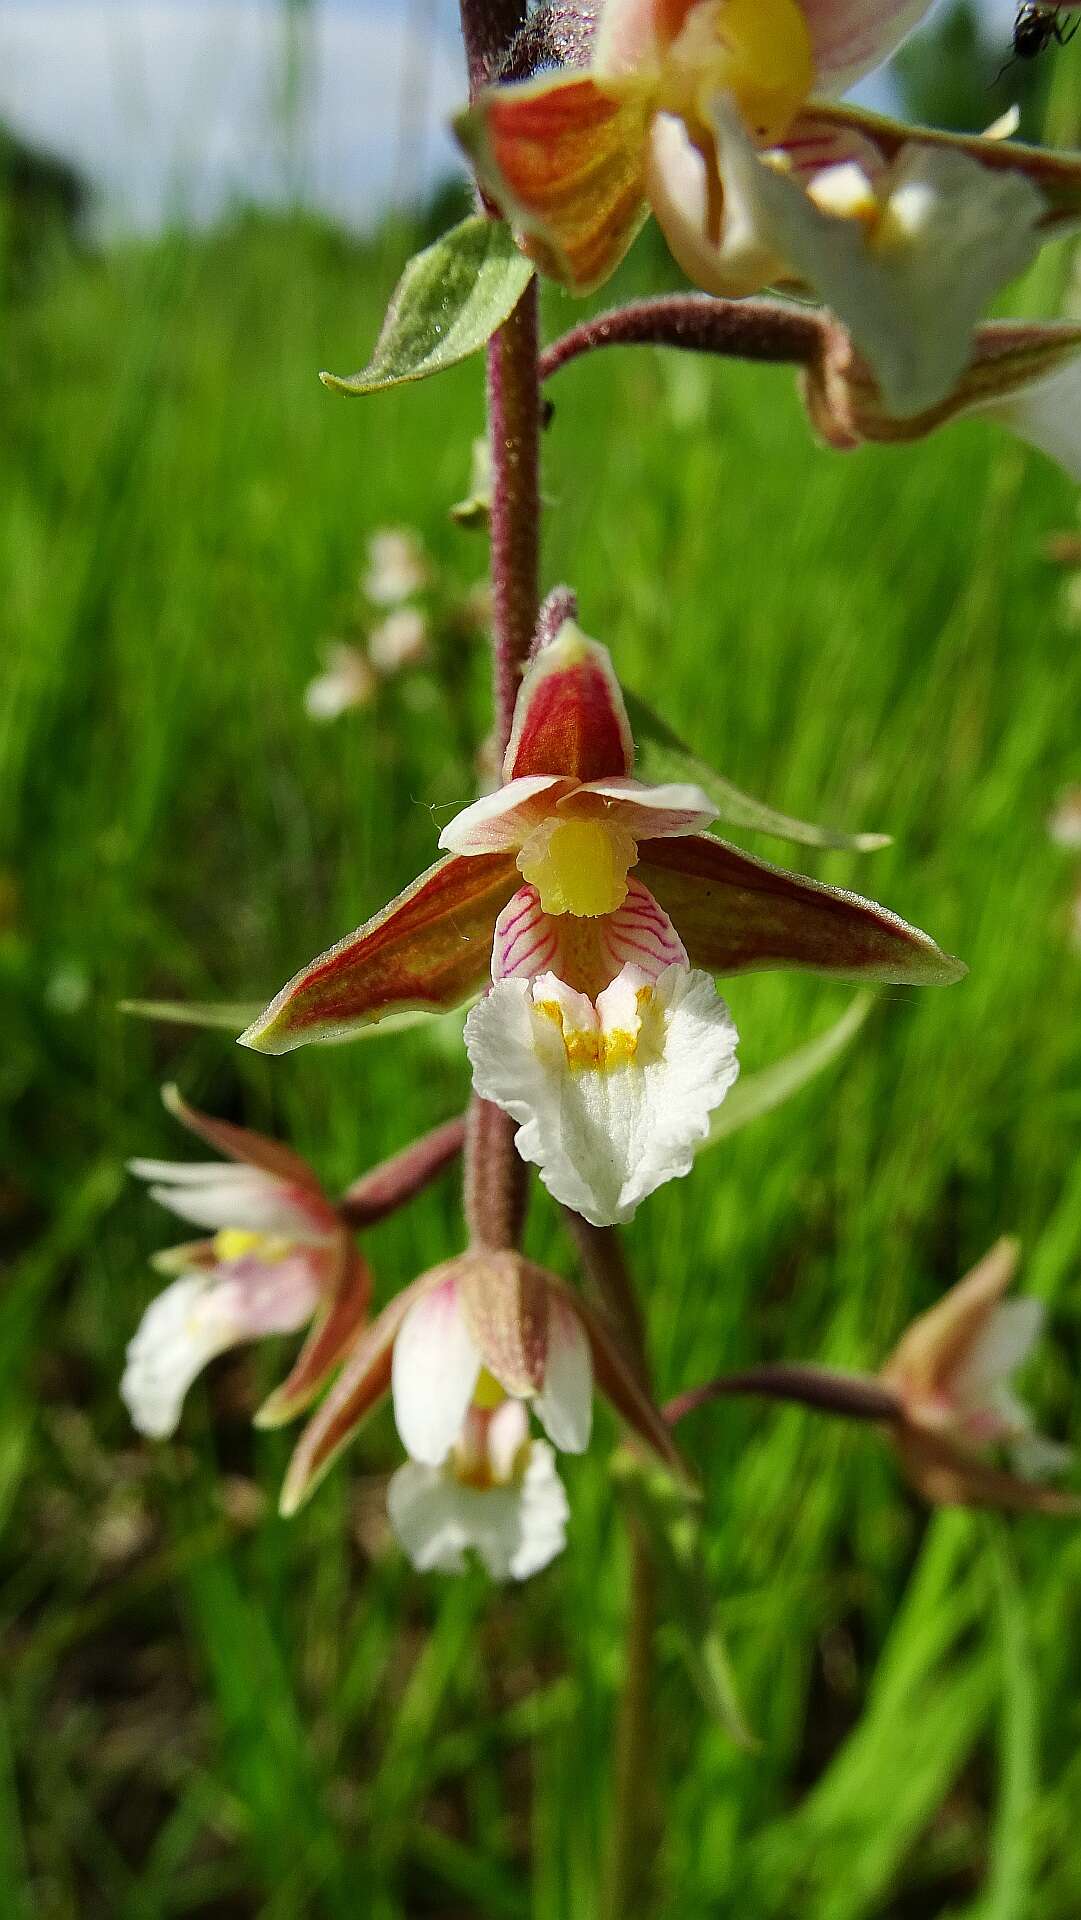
{"x":190,"y":1173}
{"x":434,"y":1371}
{"x":255,"y":1202}
{"x":516,"y":1530}
{"x":564,"y":1405}
{"x":505,"y":818}
{"x":1047,"y":415}
{"x":951,"y":233}
{"x":605,"y":1135}
{"x":742,"y":261}
{"x":648,"y":813}
{"x":187,"y":1325}
{"x":508,"y":1433}
{"x":1003,"y":1345}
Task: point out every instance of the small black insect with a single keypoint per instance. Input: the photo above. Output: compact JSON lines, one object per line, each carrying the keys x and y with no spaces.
{"x":1034,"y":28}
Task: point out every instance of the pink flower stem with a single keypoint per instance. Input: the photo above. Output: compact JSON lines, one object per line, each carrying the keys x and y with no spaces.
{"x":855,"y":1396}
{"x":766,"y":330}
{"x":397,"y":1180}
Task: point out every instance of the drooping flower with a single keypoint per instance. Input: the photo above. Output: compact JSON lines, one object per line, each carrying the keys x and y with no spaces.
{"x":599,"y":910}
{"x":279,"y":1257}
{"x":952,"y":1375}
{"x":497,"y":1493}
{"x":1025,"y":376}
{"x":467,"y":1336}
{"x":906,"y":233}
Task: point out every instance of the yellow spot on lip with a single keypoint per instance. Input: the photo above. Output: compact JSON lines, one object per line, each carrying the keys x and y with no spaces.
{"x":588,"y":1047}
{"x":579,"y":866}
{"x":235,"y":1243}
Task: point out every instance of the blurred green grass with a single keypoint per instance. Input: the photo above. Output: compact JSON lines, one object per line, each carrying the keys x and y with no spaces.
{"x":209,"y":1712}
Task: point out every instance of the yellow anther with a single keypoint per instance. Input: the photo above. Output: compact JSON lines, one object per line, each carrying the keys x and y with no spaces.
{"x":759,"y":51}
{"x":235,"y":1243}
{"x":579,"y":866}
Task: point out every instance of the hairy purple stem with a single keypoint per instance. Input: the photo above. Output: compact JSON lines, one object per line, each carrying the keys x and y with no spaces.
{"x":488,"y":27}
{"x":855,"y":1396}
{"x":514,"y":435}
{"x":768,"y":330}
{"x":395,"y":1182}
{"x":495,"y":1179}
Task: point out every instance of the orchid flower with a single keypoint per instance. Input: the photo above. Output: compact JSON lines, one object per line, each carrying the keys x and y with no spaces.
{"x":904,"y":232}
{"x":278,"y":1258}
{"x":602,"y":1034}
{"x":497,"y":1493}
{"x":952,"y":1375}
{"x":455,"y":1345}
{"x":1025,"y":376}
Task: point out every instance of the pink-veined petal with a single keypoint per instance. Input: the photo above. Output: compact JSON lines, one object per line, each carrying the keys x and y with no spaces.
{"x":736,"y":914}
{"x":503,"y":819}
{"x":527,"y":940}
{"x":569,"y":717}
{"x":647,"y":813}
{"x":564,"y":162}
{"x":641,"y":935}
{"x":435,"y":1369}
{"x":429,"y":948}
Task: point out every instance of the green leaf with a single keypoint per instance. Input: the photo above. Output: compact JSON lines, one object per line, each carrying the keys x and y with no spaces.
{"x":672,"y":1522}
{"x":662,"y":755}
{"x":759,"y":1093}
{"x":447,"y":304}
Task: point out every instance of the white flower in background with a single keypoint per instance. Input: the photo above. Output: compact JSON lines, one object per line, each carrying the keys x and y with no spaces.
{"x":613,"y":1096}
{"x":496,"y":1493}
{"x":278,"y":1257}
{"x":347,"y":681}
{"x":397,"y":566}
{"x":401,"y":640}
{"x":1064,"y":826}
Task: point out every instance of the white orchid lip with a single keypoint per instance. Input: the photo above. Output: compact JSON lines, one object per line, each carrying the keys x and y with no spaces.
{"x":498,"y":1495}
{"x":612,"y":1096}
